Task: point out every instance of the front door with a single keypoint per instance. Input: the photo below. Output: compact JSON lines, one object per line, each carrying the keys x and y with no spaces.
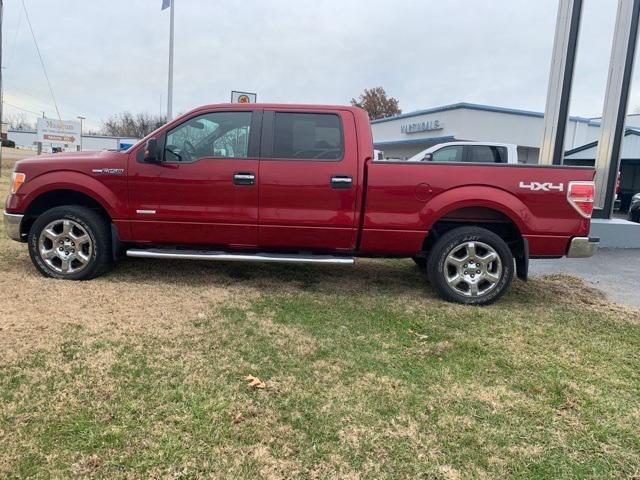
{"x":205,"y":190}
{"x":308,"y":181}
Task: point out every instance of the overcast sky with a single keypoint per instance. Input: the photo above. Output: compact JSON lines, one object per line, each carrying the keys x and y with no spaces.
{"x":104,"y":57}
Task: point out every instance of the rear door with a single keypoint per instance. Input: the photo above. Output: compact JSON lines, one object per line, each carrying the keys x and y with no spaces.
{"x":307,"y":179}
{"x":205,"y":190}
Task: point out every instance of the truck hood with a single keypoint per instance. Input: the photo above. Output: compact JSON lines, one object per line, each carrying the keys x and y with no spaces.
{"x":79,"y":161}
{"x":83,"y":162}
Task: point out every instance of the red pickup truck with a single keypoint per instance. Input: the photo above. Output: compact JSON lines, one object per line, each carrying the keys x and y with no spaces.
{"x":295,"y":183}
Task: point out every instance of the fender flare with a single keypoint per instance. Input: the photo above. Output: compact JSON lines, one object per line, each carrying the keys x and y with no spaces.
{"x":477,"y":196}
{"x":74,"y":181}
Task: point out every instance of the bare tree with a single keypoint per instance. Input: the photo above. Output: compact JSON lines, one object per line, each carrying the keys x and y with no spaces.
{"x":126,"y":124}
{"x":377,"y":104}
{"x":18,"y":121}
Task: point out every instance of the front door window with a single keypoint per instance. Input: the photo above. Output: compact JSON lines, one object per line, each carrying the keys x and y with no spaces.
{"x":212,"y":135}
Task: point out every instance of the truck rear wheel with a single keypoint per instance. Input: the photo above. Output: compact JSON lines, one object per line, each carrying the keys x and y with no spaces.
{"x":71,"y":243}
{"x":470,"y":265}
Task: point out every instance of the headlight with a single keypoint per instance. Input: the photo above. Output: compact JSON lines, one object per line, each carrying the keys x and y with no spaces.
{"x":17,"y":179}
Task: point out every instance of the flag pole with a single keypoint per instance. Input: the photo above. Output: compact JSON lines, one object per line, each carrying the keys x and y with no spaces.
{"x":1,"y":97}
{"x":170,"y":86}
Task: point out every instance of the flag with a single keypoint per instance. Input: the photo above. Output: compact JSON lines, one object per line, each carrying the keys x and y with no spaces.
{"x":166,"y":4}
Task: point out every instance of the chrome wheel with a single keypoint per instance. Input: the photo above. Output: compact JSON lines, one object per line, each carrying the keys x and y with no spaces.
{"x":65,"y":246}
{"x":472,"y":269}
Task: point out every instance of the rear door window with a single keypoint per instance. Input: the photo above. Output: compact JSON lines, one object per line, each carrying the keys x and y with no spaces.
{"x":307,"y":136}
{"x":486,"y":154}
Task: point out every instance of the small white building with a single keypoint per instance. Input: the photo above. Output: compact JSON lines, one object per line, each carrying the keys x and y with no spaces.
{"x":28,"y":139}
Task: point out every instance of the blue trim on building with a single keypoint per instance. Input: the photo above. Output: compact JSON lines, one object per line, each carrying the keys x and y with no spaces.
{"x":475,"y":106}
{"x":415,"y":141}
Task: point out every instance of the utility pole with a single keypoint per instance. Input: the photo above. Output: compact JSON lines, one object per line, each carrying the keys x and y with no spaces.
{"x":170,"y":86}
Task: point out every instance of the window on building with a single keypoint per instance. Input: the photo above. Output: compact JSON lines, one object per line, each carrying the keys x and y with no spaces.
{"x":309,"y":136}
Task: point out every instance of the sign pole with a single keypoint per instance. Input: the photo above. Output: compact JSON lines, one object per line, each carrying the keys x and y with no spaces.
{"x":615,"y":106}
{"x":81,"y":118}
{"x":170,"y":86}
{"x":556,"y":112}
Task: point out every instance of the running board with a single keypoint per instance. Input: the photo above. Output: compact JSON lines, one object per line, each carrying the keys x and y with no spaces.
{"x":238,"y":257}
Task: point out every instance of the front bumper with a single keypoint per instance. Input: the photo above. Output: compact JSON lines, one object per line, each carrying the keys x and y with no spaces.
{"x":583,"y":247}
{"x":12,"y":223}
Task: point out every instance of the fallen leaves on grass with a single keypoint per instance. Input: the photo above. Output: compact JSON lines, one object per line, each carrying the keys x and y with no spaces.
{"x":254,"y":382}
{"x":420,"y":336}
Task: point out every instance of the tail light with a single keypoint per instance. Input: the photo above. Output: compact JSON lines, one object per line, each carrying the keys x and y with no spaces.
{"x":580,"y":196}
{"x":618,"y":184}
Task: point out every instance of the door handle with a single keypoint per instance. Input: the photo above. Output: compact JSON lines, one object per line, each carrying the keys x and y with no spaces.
{"x":341,"y":181}
{"x":244,"y":178}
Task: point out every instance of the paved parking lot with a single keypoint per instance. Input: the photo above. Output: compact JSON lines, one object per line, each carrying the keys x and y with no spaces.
{"x":615,"y":271}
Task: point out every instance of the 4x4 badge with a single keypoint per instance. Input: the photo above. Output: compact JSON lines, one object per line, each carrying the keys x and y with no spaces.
{"x":544,"y":187}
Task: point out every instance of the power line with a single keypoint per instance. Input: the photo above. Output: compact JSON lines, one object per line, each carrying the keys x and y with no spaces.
{"x":20,"y":108}
{"x":32,"y":98}
{"x":44,"y":69}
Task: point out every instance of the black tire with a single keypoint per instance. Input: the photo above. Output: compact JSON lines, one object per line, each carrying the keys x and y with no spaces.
{"x":440,"y":267}
{"x":97,"y":247}
{"x":421,"y":262}
{"x":635,"y":216}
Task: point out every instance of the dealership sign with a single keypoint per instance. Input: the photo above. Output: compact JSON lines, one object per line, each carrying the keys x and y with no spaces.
{"x":58,"y":131}
{"x":427,"y":126}
{"x":243,"y":97}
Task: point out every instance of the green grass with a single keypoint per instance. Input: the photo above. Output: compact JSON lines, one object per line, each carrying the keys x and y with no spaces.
{"x":362,"y":383}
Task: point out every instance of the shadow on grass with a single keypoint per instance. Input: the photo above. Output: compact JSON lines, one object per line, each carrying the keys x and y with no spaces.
{"x":389,"y":277}
{"x":393,"y":276}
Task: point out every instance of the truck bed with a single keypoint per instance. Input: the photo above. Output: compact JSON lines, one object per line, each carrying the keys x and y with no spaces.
{"x":405,"y":200}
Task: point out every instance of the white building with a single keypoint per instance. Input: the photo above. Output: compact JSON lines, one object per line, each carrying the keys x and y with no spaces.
{"x":405,"y":135}
{"x":29,"y":139}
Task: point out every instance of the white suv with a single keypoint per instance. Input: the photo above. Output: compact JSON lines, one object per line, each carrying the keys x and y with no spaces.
{"x":472,"y":152}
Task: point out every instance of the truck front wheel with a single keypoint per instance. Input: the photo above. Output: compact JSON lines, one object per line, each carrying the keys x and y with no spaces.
{"x":71,"y":243}
{"x":470,"y":265}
